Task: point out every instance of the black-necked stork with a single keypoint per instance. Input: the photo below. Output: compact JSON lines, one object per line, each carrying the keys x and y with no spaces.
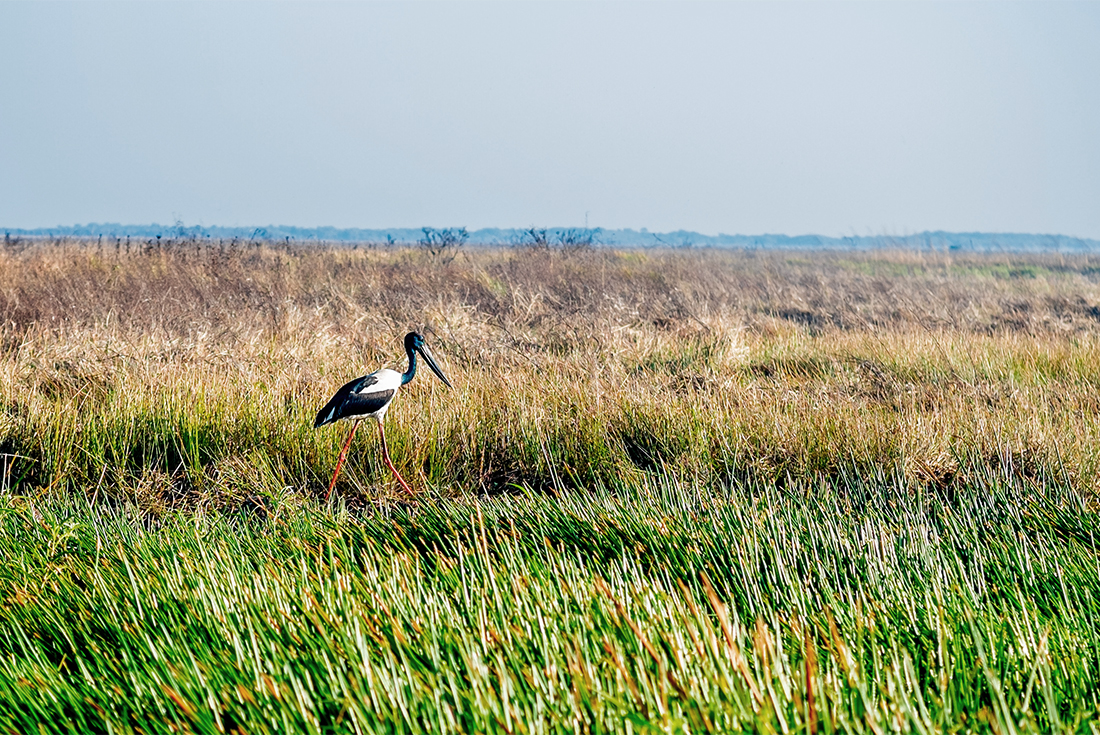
{"x":369,"y":397}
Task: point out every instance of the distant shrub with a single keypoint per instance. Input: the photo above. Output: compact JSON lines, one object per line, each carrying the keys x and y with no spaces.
{"x":535,"y":238}
{"x":443,"y":244}
{"x":577,"y":238}
{"x":569,"y":239}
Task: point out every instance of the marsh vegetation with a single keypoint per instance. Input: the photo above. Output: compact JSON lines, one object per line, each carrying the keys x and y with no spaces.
{"x":675,"y":490}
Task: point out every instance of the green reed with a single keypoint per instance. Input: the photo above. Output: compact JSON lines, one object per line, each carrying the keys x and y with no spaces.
{"x":859,"y":605}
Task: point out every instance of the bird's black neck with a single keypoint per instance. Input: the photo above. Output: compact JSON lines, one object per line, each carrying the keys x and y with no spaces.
{"x":411,"y":372}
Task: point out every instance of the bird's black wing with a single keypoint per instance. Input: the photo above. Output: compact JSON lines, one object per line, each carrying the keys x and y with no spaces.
{"x":359,"y":404}
{"x":349,"y":402}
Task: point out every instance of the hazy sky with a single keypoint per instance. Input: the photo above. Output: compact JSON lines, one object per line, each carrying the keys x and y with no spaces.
{"x":820,"y":117}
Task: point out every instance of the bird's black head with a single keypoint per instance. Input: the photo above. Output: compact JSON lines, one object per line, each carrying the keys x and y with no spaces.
{"x":414,"y":342}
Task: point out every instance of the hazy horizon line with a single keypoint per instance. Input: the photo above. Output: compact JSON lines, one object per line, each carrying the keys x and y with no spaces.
{"x":92,"y":229}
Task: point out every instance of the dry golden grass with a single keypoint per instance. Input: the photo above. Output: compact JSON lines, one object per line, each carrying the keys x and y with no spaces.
{"x":187,"y":373}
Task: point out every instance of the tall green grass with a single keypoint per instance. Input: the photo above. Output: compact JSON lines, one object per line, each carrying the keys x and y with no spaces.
{"x":862,"y":605}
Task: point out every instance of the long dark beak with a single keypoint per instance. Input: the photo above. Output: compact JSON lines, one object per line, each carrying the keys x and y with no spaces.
{"x":427,"y":355}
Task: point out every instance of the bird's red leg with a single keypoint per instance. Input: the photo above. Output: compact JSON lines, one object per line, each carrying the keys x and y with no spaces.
{"x":386,"y":456}
{"x":340,"y":462}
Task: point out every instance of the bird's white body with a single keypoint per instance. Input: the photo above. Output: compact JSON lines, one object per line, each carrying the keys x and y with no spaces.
{"x":386,"y":380}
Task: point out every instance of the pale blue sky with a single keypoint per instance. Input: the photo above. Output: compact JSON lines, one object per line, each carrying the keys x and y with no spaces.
{"x":820,"y":117}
